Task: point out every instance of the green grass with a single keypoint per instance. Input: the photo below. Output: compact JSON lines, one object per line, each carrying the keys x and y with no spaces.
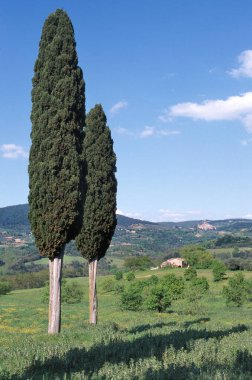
{"x":67,"y":260}
{"x":213,"y":343}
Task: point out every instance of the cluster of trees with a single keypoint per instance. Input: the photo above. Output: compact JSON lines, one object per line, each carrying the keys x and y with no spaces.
{"x":230,"y":240}
{"x":72,"y":164}
{"x":158,"y":293}
{"x":137,"y":263}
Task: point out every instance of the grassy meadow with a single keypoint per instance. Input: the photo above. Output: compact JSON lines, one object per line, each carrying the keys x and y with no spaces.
{"x":213,"y":341}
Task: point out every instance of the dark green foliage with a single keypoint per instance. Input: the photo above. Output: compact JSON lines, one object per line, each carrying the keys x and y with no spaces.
{"x":231,"y":241}
{"x":158,"y":299}
{"x":58,"y":114}
{"x":71,"y":293}
{"x":174,"y":286}
{"x":100,"y":204}
{"x":2,"y":263}
{"x":153,"y":280}
{"x":4,"y":287}
{"x":27,"y":280}
{"x":137,"y":263}
{"x":219,"y":270}
{"x":119,"y":275}
{"x":237,"y":290}
{"x":190,"y":274}
{"x":131,"y":297}
{"x":130,"y":276}
{"x":108,"y":285}
{"x":200,"y":284}
{"x":197,"y":256}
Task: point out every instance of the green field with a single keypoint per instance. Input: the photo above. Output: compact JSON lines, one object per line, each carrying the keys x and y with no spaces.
{"x":214,"y":342}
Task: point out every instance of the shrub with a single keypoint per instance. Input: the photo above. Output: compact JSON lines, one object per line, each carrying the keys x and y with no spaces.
{"x":4,"y":287}
{"x":219,"y":270}
{"x":119,"y":275}
{"x":197,"y":256}
{"x":153,"y":280}
{"x":130,"y":276}
{"x":200,"y":284}
{"x":237,"y":290}
{"x":174,"y":286}
{"x":108,"y":285}
{"x":191,"y":302}
{"x":158,"y":299}
{"x":71,"y":293}
{"x":131,"y":297}
{"x":136,"y":263}
{"x":190,"y":274}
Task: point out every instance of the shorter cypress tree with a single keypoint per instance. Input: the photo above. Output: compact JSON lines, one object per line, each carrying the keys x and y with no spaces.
{"x":99,"y":219}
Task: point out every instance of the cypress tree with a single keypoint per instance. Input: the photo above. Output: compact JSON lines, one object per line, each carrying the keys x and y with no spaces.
{"x":99,"y":219}
{"x":55,"y":168}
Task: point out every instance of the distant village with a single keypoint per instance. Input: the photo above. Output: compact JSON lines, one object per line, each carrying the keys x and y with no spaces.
{"x":11,"y":240}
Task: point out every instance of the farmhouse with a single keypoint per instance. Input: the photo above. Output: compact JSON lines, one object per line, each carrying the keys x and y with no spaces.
{"x":177,"y":262}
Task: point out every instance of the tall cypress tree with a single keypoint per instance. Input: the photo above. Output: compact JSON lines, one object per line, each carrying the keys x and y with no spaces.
{"x":99,"y":220}
{"x":55,"y":169}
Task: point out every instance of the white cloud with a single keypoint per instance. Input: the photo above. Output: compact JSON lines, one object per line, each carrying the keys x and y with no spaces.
{"x":13,"y":151}
{"x":247,"y":216}
{"x":246,"y":142}
{"x":147,"y":132}
{"x":245,"y":69}
{"x":163,"y":132}
{"x":151,"y":131}
{"x":129,"y":214}
{"x":117,"y":107}
{"x":124,"y":131}
{"x":178,"y":216}
{"x":233,"y":108}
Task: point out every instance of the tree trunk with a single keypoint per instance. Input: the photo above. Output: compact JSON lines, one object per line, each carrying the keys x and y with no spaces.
{"x":55,"y":271}
{"x":93,"y":302}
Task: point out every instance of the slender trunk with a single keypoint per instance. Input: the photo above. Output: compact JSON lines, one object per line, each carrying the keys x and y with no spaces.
{"x":55,"y":270}
{"x":93,"y":302}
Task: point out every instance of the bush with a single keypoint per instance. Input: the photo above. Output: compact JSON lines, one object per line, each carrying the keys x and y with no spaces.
{"x":131,"y":297}
{"x":4,"y":287}
{"x":197,"y":256}
{"x":190,"y":274}
{"x":137,"y":263}
{"x":119,"y":275}
{"x":200,"y":284}
{"x":219,"y":270}
{"x":108,"y":285}
{"x":237,"y":290}
{"x":190,"y":304}
{"x":130,"y":276}
{"x":70,"y":293}
{"x":158,"y":299}
{"x":2,"y":263}
{"x":153,"y":280}
{"x":174,"y":286}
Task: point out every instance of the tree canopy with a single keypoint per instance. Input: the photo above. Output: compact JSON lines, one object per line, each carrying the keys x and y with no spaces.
{"x":100,"y":203}
{"x":58,"y":117}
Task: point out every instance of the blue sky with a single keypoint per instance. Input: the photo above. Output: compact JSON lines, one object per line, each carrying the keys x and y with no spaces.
{"x":175,"y":80}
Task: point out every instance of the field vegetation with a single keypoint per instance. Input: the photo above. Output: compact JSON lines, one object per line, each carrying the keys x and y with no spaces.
{"x":205,"y":339}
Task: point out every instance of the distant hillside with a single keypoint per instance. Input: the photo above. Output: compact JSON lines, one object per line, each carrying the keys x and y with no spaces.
{"x":14,"y":217}
{"x":125,"y":221}
{"x":17,"y":217}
